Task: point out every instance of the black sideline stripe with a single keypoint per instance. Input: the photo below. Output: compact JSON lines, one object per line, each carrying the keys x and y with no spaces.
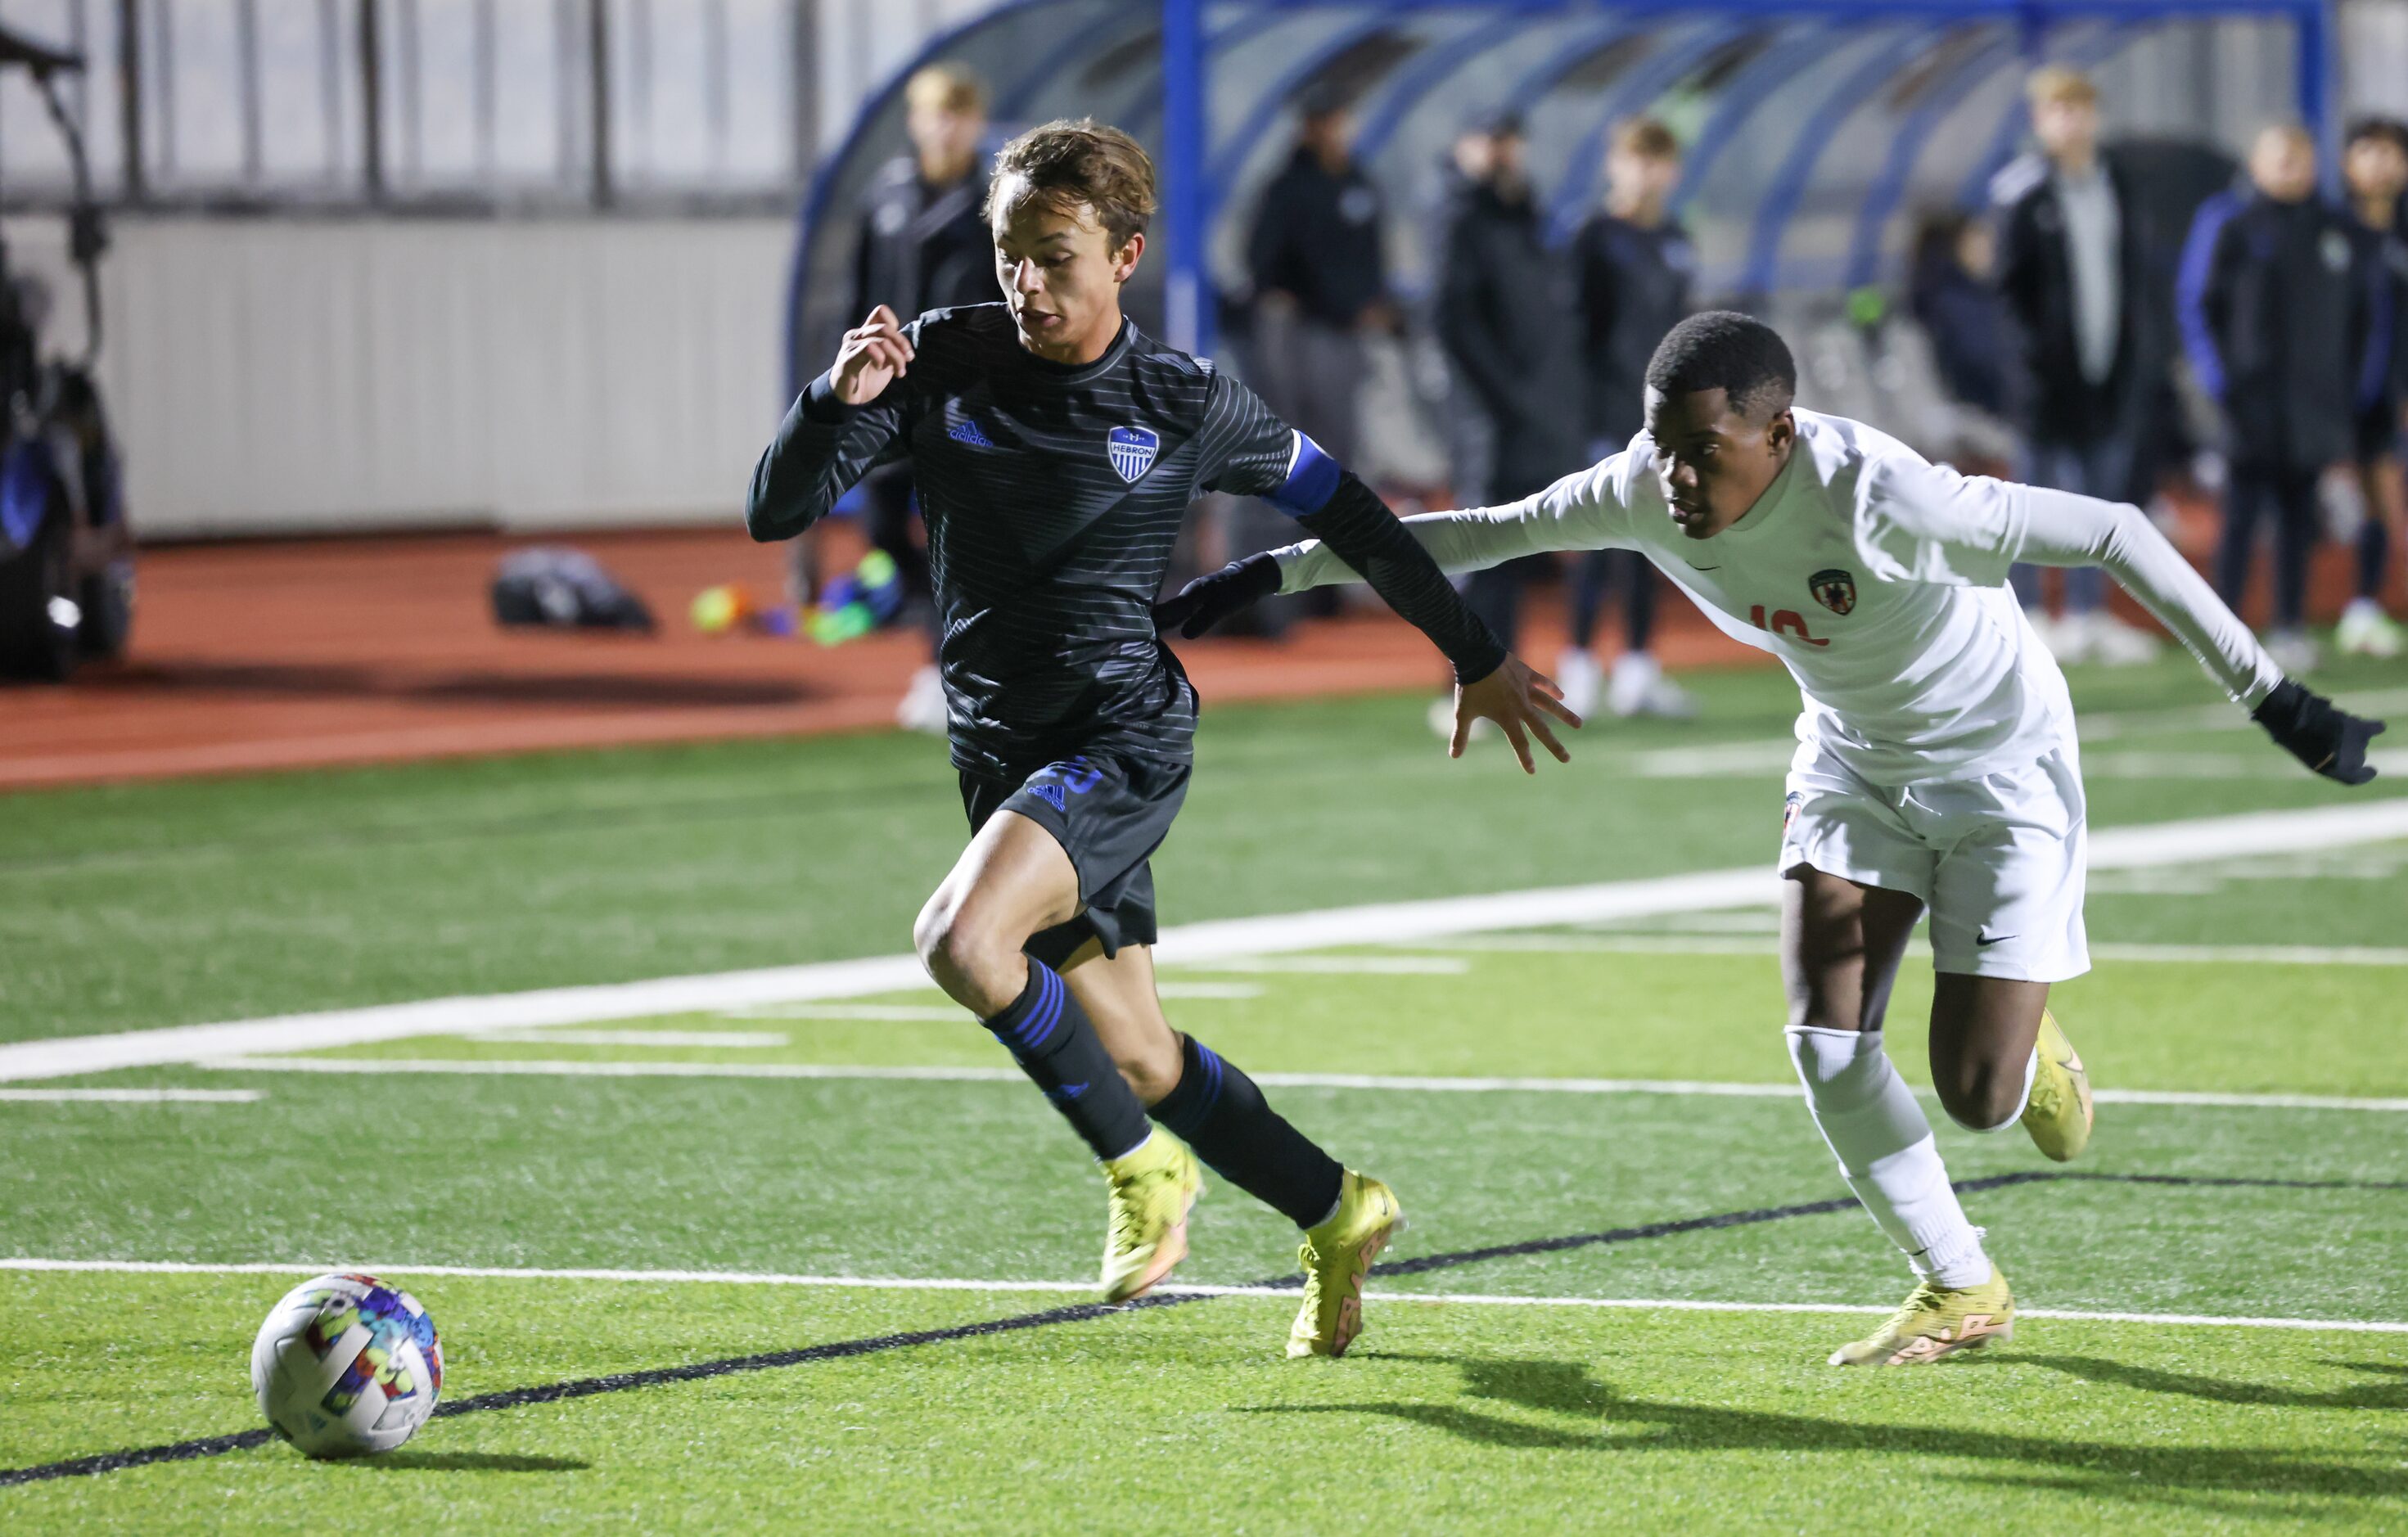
{"x":620,"y":1381}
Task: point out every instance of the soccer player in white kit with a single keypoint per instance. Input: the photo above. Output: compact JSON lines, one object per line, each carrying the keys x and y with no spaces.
{"x":1937,"y":766}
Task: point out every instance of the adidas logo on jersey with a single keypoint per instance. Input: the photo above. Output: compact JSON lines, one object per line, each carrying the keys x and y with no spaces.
{"x":967,"y":432}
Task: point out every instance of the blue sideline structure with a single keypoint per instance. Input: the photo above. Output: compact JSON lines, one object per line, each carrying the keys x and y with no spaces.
{"x":1814,"y":126}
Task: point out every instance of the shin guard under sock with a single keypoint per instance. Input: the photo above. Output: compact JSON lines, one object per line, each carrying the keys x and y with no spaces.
{"x":1217,"y":1109}
{"x":1051,"y":1039}
{"x":1878,"y":1131}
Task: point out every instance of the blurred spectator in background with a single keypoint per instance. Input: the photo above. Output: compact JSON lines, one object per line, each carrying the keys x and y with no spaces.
{"x":1507,"y":317}
{"x":2074,"y":270}
{"x":1634,"y":264}
{"x":923,"y":238}
{"x":2374,"y":168}
{"x":1319,"y":276}
{"x":924,"y":245}
{"x":2274,"y":310}
{"x":1949,"y":292}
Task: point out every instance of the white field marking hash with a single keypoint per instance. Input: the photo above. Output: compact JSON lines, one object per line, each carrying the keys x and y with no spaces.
{"x":1720,"y":944}
{"x":953,"y":1014}
{"x":638,"y":1038}
{"x":868,"y":1283}
{"x":2357,"y":821}
{"x":898,"y":1012}
{"x":1754,"y":760}
{"x":503,"y":1067}
{"x":1194,"y":989}
{"x":506,"y":1067}
{"x":134,"y":1096}
{"x":1771,"y":756}
{"x":1334,"y":965}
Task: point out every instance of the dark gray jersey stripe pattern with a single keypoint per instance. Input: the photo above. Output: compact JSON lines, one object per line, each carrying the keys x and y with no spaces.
{"x":1052,"y":494}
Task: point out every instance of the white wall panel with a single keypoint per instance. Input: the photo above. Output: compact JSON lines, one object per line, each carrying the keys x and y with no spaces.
{"x":311,"y":375}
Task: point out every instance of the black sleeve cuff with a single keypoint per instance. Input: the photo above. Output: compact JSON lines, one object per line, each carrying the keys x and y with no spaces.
{"x":1477,"y":660}
{"x":820,"y":403}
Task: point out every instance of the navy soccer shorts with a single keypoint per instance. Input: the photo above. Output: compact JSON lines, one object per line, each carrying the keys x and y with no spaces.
{"x":1109,"y":814}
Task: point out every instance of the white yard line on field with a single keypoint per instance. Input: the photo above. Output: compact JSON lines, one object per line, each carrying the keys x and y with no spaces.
{"x":1337,"y":966}
{"x":2358,"y":821}
{"x":868,"y":1283}
{"x":1767,"y":755}
{"x":638,"y":1038}
{"x":507,"y":1068}
{"x":1721,"y":944}
{"x":895,"y":1013}
{"x":503,"y":1067}
{"x":134,"y":1095}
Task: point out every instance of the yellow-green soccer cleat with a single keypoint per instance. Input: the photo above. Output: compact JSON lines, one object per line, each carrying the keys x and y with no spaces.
{"x":1336,"y":1256}
{"x":2057,"y":1114}
{"x":1937,"y":1321}
{"x":1152,"y":1190}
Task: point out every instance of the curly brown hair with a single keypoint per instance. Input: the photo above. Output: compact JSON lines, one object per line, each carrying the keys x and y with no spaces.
{"x":1067,"y":164}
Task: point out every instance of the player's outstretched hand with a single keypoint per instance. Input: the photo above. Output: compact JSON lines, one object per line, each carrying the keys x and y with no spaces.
{"x":1215,"y":595}
{"x":1519,"y":699}
{"x":874,"y":354}
{"x":2307,"y":725}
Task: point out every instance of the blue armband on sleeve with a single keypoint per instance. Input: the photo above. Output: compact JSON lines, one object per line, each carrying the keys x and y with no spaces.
{"x":1312,"y":478}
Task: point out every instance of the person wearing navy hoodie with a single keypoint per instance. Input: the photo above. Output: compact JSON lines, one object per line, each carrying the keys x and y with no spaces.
{"x":2375,"y":169}
{"x":2273,"y":309}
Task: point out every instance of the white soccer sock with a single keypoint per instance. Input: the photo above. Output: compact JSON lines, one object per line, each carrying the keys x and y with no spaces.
{"x":1877,"y":1131}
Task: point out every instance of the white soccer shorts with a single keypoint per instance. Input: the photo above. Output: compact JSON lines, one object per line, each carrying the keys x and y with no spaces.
{"x":1998,"y":860}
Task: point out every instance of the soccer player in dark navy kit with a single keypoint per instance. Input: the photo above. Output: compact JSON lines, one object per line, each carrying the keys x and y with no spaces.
{"x":1056,"y":448}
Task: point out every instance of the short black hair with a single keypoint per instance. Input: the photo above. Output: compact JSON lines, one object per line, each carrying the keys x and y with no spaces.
{"x":2380,"y":127}
{"x":1723,"y":349}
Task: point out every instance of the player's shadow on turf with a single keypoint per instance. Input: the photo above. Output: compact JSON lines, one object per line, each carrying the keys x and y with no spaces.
{"x":407,"y":1461}
{"x":1634,"y":1426}
{"x":2369,"y":1395}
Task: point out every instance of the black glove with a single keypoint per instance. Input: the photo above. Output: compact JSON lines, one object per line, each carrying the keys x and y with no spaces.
{"x":1212,"y":597}
{"x":2306,"y":725}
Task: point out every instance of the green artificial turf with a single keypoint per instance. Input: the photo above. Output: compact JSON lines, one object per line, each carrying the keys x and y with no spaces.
{"x":131,"y":906}
{"x":1449,"y":1418}
{"x":148,"y":906}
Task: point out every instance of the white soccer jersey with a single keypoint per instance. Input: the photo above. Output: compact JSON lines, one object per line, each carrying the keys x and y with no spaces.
{"x":1879,"y":578}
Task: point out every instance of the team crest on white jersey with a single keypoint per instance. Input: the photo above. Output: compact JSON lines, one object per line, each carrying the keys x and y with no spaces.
{"x":1132,"y":451}
{"x":1835,"y":589}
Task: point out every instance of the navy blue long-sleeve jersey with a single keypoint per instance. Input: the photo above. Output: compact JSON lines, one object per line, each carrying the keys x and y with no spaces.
{"x":1052,"y":494}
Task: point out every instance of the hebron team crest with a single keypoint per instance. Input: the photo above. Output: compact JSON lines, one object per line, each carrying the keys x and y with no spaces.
{"x":1132,"y":450}
{"x":1835,"y":589}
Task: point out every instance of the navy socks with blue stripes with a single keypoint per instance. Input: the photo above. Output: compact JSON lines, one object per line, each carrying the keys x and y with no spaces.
{"x":1050,"y":1036}
{"x":1217,"y":1109}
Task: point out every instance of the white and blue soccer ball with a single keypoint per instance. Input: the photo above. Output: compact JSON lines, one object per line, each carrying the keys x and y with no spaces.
{"x":347,"y":1366}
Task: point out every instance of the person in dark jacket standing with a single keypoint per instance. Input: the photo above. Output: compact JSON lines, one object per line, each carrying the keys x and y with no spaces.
{"x":2374,"y":167}
{"x":1320,"y":276}
{"x":924,"y":245}
{"x":1951,"y":294}
{"x":1635,"y":266}
{"x":1508,"y":318}
{"x":2272,"y":297}
{"x":2074,"y":271}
